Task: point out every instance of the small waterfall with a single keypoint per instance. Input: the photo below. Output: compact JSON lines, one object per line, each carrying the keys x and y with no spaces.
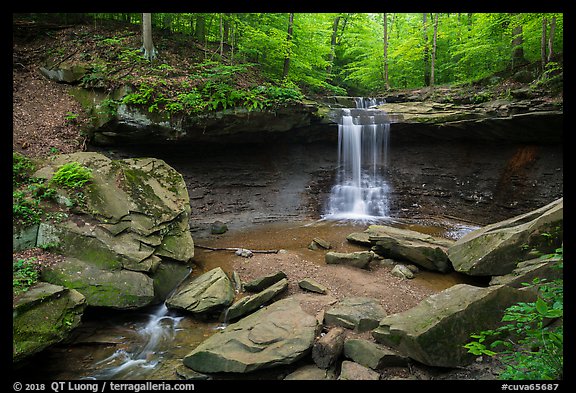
{"x":361,"y":191}
{"x":124,"y":364}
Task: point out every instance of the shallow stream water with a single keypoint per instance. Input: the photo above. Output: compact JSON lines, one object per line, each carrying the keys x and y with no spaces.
{"x":150,"y":343}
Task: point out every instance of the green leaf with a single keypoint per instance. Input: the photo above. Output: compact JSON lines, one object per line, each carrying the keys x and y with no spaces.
{"x":541,"y":306}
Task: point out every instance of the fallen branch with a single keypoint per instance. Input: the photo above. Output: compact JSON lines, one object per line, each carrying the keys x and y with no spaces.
{"x":237,"y":249}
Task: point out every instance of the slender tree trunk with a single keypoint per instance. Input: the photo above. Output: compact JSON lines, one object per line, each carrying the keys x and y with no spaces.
{"x":232,"y":41}
{"x":551,"y":39}
{"x":426,"y":50}
{"x":227,"y":28}
{"x":332,"y":47}
{"x":517,"y":46}
{"x":200,"y":30}
{"x":385,"y":25}
{"x":288,"y":40}
{"x":543,"y":42}
{"x":433,"y":61}
{"x":167,"y":22}
{"x":148,"y":44}
{"x":221,"y":38}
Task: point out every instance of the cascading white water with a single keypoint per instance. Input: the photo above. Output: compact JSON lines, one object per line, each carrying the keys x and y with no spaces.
{"x":361,"y":192}
{"x":124,"y":364}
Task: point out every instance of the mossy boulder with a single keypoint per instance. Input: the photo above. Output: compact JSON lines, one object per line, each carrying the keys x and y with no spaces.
{"x":132,"y":218}
{"x":44,"y":315}
{"x":435,"y":331}
{"x":119,"y":289}
{"x":497,"y":249}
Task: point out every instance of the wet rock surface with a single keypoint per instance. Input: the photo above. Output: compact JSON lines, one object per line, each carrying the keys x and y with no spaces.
{"x":248,"y":184}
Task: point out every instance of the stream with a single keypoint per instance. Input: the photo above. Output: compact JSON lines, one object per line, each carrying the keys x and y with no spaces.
{"x":150,"y":343}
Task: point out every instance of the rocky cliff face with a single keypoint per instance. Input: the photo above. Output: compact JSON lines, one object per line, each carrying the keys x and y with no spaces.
{"x":479,"y":162}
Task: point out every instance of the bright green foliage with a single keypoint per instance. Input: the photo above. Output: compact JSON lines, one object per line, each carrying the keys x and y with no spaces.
{"x":25,"y":209}
{"x":530,"y":347}
{"x":470,"y":46}
{"x":72,"y":175}
{"x":210,"y":87}
{"x":25,"y":273}
{"x":21,"y":168}
{"x":27,"y":192}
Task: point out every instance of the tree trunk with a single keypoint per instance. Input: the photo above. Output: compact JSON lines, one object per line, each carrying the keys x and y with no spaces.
{"x":227,"y":28}
{"x":288,"y":40}
{"x":167,"y":21}
{"x":426,"y":50}
{"x":221,"y":38}
{"x":332,"y":47}
{"x":148,"y":44}
{"x":200,"y":28}
{"x":517,"y":46}
{"x":543,"y":42}
{"x":551,"y":39}
{"x":385,"y":25}
{"x":433,"y":62}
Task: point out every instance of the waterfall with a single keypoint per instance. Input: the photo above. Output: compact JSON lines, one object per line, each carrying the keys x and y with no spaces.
{"x":361,"y":191}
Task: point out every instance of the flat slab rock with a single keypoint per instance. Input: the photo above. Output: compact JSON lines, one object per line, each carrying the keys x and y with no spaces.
{"x":278,"y":334}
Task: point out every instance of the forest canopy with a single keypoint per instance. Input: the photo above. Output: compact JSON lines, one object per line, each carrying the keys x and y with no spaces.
{"x":364,"y":53}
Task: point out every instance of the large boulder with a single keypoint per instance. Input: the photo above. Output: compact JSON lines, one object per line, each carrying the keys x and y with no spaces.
{"x":496,"y":249}
{"x":133,"y":216}
{"x":102,"y":287}
{"x":211,"y":291}
{"x":278,"y":334}
{"x":43,"y":316}
{"x":424,"y":250}
{"x":435,"y":331}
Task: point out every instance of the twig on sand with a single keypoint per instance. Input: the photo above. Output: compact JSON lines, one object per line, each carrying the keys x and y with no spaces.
{"x":238,"y":250}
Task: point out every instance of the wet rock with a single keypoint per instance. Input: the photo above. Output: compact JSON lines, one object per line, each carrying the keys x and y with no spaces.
{"x":45,"y":315}
{"x":102,"y":286}
{"x":362,"y":238}
{"x":236,"y":281}
{"x":218,"y":228}
{"x":211,"y":291}
{"x":435,"y":331}
{"x":276,"y":335}
{"x":424,"y":250}
{"x":497,"y":248}
{"x":318,"y":243}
